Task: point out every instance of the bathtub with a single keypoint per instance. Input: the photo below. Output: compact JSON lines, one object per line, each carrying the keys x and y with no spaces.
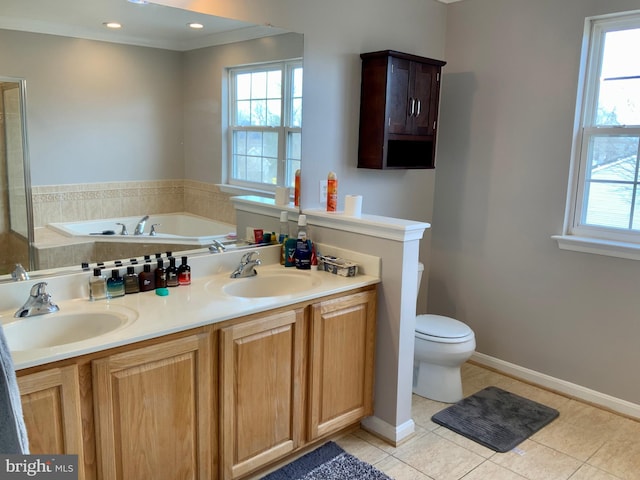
{"x":181,"y":228}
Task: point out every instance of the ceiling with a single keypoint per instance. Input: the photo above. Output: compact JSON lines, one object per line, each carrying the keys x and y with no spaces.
{"x":148,"y":25}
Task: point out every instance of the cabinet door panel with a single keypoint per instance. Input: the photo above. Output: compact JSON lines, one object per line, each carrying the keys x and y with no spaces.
{"x":153,"y":411}
{"x":424,"y":79}
{"x":51,"y":409}
{"x":261,"y":391}
{"x":342,"y":349}
{"x":399,"y":96}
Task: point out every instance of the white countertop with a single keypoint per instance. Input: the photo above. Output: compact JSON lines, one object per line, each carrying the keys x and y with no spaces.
{"x":201,"y":303}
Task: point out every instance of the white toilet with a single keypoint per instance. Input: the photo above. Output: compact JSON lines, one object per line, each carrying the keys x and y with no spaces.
{"x":442,"y":345}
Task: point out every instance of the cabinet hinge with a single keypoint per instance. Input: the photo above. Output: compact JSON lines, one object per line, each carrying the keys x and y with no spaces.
{"x":438,"y":77}
{"x":434,"y":125}
{"x":389,"y":122}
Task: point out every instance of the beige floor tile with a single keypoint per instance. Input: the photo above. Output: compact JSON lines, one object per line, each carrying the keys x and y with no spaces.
{"x":438,"y":458}
{"x":361,"y":449}
{"x":579,"y":431}
{"x":538,"y":462}
{"x":587,"y":472}
{"x":464,"y":442}
{"x":422,"y":409}
{"x":399,"y":470}
{"x":620,"y":455}
{"x":490,"y":471}
{"x":375,"y":441}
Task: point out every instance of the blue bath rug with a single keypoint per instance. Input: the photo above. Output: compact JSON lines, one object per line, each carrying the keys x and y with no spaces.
{"x":329,"y":462}
{"x":495,"y":418}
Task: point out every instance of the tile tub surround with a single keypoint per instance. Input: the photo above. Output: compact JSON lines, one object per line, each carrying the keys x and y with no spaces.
{"x":90,"y":201}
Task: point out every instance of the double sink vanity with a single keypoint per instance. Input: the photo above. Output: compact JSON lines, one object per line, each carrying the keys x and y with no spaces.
{"x":221,"y":379}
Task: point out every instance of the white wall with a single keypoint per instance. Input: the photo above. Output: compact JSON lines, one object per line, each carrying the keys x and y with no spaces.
{"x":506,"y":122}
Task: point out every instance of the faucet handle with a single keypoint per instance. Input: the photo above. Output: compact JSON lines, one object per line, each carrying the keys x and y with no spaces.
{"x":39,"y":289}
{"x":153,"y":232}
{"x":124,"y":229}
{"x":248,"y":257}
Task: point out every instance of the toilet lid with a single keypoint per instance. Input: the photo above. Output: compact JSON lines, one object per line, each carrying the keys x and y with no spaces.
{"x":441,"y":326}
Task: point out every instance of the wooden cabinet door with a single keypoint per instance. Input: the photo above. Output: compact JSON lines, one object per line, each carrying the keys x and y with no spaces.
{"x":154,"y":411}
{"x":342,"y":343}
{"x":399,"y":97}
{"x":425,"y":81}
{"x":52,"y":415}
{"x":261,"y":391}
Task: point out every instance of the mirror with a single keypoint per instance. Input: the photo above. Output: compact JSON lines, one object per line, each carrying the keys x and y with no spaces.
{"x":124,"y":124}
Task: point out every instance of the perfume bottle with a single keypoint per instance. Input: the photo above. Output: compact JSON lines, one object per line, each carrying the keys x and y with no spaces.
{"x":131,"y":283}
{"x":115,"y":284}
{"x":184,"y":273}
{"x":172,"y":273}
{"x":147,"y":279}
{"x":161,"y":275}
{"x":97,"y":286}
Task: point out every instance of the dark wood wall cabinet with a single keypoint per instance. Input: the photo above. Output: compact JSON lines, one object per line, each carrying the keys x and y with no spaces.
{"x":398,"y":110}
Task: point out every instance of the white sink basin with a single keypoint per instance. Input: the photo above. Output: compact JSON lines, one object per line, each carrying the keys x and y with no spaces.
{"x":69,"y":325}
{"x":272,"y":284}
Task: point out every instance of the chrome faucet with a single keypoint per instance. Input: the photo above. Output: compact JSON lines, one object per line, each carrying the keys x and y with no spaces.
{"x":38,"y":303}
{"x":247,"y":265}
{"x":19,"y":274}
{"x":124,"y":229}
{"x":216,"y":247}
{"x":140,"y":226}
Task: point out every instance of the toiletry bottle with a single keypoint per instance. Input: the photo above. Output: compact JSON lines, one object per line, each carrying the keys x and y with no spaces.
{"x":147,"y":279}
{"x":161,"y":275}
{"x":115,"y":284}
{"x":284,"y":227}
{"x":184,"y":273}
{"x":172,"y":273}
{"x":97,"y":286}
{"x":332,"y":192}
{"x":131,"y":282}
{"x":296,"y":189}
{"x":303,"y":245}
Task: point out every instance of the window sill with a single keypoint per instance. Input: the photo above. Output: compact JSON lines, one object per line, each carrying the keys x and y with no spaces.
{"x":598,"y":246}
{"x":237,"y":190}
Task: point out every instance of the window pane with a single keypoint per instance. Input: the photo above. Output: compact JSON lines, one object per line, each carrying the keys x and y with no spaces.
{"x":296,"y":113}
{"x":243,"y":113}
{"x":609,"y":205}
{"x":274,"y":84}
{"x":619,"y":90}
{"x":274,"y":113}
{"x":293,"y":157}
{"x":259,"y":113}
{"x":243,"y":86}
{"x":259,"y":85}
{"x":611,"y":182}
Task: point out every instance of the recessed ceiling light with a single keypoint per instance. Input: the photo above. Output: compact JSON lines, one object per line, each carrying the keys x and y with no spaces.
{"x":139,"y":2}
{"x":114,"y":25}
{"x":195,"y":25}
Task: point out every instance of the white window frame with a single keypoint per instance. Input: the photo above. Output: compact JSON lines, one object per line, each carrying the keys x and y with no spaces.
{"x":283,"y":131}
{"x":576,"y":235}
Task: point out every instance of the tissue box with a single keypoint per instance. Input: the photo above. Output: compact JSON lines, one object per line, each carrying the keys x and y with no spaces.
{"x":337,"y":266}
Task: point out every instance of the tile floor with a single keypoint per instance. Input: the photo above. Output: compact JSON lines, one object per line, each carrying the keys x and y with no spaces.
{"x":583,"y":443}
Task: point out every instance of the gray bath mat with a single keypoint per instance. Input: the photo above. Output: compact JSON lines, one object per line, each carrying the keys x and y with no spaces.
{"x":495,"y":418}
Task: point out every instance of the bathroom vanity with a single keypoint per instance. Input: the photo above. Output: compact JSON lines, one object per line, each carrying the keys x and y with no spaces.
{"x":232,"y":387}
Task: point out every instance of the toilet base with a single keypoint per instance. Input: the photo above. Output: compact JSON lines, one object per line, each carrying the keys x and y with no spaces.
{"x":437,"y":382}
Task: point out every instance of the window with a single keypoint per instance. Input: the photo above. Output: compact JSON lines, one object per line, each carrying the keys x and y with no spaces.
{"x":265,"y":124}
{"x":604,"y":193}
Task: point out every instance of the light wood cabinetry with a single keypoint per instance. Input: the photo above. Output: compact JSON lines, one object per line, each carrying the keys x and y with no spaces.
{"x":262,"y":386}
{"x":52,"y":413}
{"x":342,"y":343}
{"x":222,"y":401}
{"x":154,"y":411}
{"x":398,"y":110}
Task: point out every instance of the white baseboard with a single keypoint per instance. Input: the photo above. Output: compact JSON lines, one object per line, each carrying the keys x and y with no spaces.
{"x":561,"y":386}
{"x":394,"y":435}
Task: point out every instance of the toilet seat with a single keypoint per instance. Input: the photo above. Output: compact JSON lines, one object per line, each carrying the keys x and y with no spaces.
{"x":441,"y":329}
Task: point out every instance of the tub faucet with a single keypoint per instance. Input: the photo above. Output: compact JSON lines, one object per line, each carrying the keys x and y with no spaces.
{"x":247,"y":266}
{"x":38,"y":303}
{"x":216,"y":247}
{"x":140,"y":226}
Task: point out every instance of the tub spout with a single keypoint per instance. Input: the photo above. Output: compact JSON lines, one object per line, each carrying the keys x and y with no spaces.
{"x":140,"y":226}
